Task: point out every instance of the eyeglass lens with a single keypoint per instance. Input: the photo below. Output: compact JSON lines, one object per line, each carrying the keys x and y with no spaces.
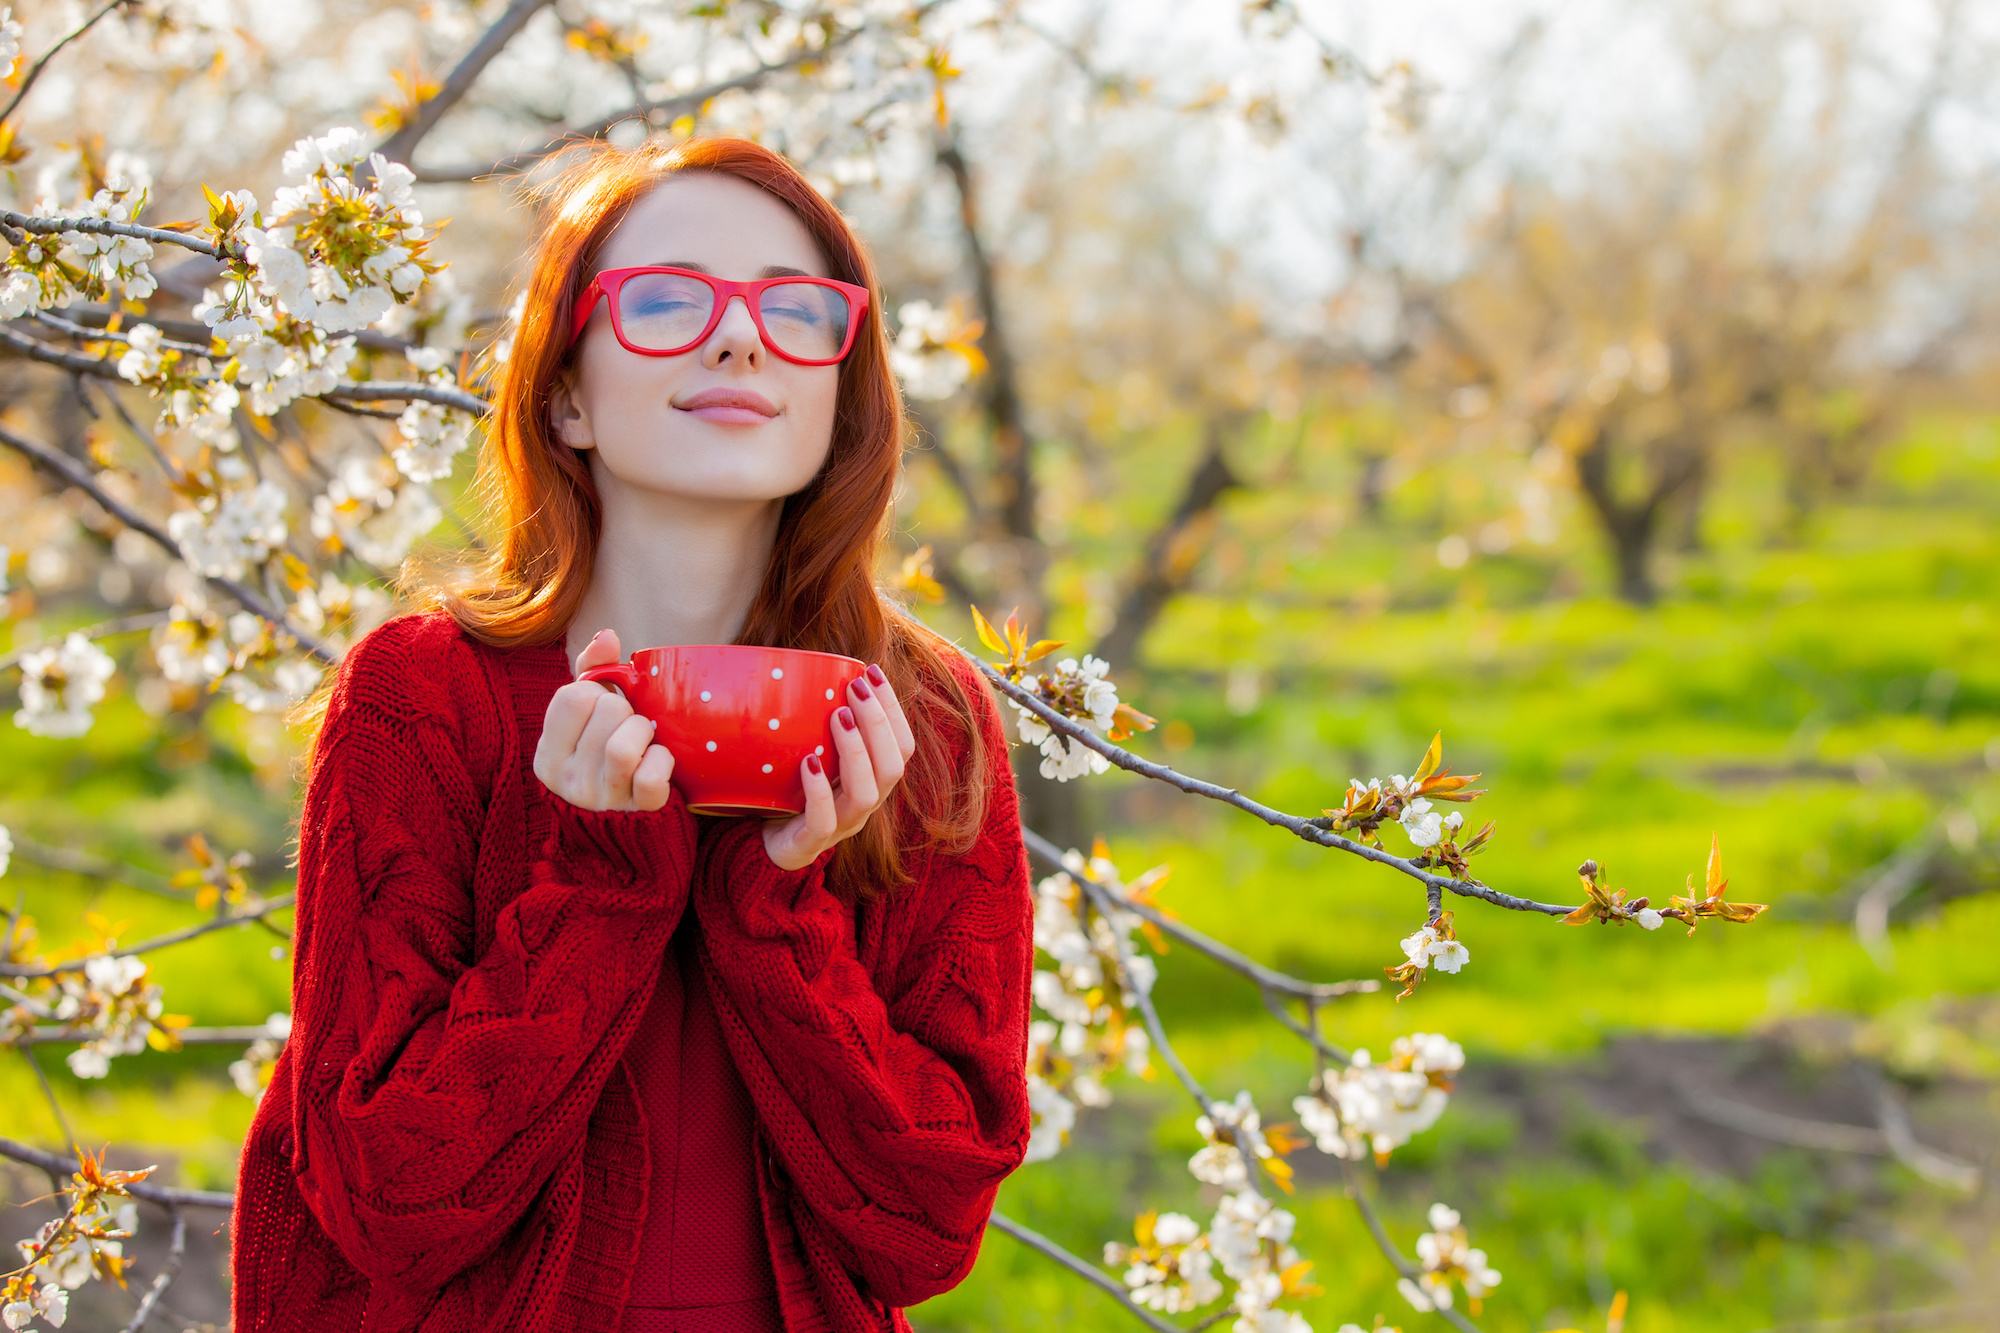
{"x":665,"y":312}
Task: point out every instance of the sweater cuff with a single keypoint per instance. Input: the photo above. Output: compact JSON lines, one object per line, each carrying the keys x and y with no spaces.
{"x":737,"y":851}
{"x":642,"y":843}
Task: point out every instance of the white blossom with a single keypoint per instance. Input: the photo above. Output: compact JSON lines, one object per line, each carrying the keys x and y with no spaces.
{"x":10,"y":54}
{"x":1053,"y":1116}
{"x":1649,"y":918}
{"x":1424,"y":825}
{"x":60,"y":685}
{"x":237,"y":530}
{"x":433,"y":436}
{"x":6,"y":848}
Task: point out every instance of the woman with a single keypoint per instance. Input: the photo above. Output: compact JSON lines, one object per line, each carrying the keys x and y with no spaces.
{"x":563,"y":1055}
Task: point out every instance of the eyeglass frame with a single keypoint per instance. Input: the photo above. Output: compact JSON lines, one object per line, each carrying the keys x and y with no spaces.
{"x":605,"y":286}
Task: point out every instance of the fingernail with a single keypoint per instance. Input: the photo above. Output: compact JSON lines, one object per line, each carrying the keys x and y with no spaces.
{"x":861,"y":690}
{"x":846,"y":716}
{"x":814,"y":766}
{"x":875,"y":674}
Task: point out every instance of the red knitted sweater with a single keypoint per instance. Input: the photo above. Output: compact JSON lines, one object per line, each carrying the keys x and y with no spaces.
{"x":452,"y":1141}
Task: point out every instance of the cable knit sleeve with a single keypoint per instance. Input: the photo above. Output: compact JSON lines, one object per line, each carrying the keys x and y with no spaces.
{"x":896,"y":1111}
{"x":436,"y":1092}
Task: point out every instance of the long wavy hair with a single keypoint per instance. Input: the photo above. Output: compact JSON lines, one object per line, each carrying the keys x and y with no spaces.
{"x":819,"y":592}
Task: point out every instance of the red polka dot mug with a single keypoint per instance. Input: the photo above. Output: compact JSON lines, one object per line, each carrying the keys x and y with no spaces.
{"x":738,"y":719}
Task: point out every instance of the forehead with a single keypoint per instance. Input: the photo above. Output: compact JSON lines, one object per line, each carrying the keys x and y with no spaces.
{"x":732,"y":228}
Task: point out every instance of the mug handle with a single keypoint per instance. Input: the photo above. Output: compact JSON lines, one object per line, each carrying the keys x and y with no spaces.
{"x":621,"y":674}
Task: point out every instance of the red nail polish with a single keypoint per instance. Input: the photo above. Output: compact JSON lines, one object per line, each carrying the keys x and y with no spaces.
{"x":861,"y":690}
{"x":846,"y":716}
{"x":813,"y":765}
{"x":875,"y":674}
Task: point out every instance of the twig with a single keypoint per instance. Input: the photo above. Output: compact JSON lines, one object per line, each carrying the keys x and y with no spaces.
{"x":45,"y":226}
{"x":62,"y":1121}
{"x":1777,"y":1126}
{"x":1934,"y":1166}
{"x":105,"y":630}
{"x":398,"y":146}
{"x":181,"y":936}
{"x":138,"y":1189}
{"x":405,"y":389}
{"x":1083,"y":1269}
{"x":1404,"y":1268}
{"x":76,"y":475}
{"x":1215,"y":949}
{"x":35,"y":70}
{"x":1304,"y":828}
{"x":97,"y":867}
{"x":91,"y":334}
{"x":174,"y":472}
{"x":169,"y":1270}
{"x":43,"y":1034}
{"x":671,"y":107}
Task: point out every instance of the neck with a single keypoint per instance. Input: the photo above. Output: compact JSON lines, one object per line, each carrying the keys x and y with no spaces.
{"x":674,"y":569}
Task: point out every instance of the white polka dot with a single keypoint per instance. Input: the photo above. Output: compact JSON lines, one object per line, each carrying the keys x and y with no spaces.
{"x":767,"y":768}
{"x":819,"y":749}
{"x":656,"y":669}
{"x":829,"y":694}
{"x":711,"y":745}
{"x":704,"y":696}
{"x":777,"y":673}
{"x":774,"y":724}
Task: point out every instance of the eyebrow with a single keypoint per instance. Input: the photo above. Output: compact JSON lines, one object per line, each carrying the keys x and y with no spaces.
{"x":768,"y":271}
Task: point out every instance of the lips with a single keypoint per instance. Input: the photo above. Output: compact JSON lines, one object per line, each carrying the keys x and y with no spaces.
{"x":729,"y":406}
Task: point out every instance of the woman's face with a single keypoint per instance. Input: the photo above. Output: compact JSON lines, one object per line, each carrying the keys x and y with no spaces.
{"x":728,"y":420}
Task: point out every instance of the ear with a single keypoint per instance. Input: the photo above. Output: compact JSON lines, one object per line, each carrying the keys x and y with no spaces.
{"x":567,"y":418}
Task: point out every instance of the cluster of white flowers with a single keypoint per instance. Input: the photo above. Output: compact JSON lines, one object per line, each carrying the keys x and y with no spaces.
{"x":929,"y":354}
{"x":1429,"y":947}
{"x":192,"y":648}
{"x":233,"y":531}
{"x":1234,"y":1128}
{"x":1252,"y":1241}
{"x":433,"y":436}
{"x":64,"y":1267}
{"x":1171,"y":1269}
{"x":10,"y":41}
{"x":1088,"y":684}
{"x":366,"y":508}
{"x":1087,"y":1033}
{"x":60,"y":684}
{"x":108,"y":1001}
{"x":1447,"y":1257}
{"x":300,"y":362}
{"x":120,"y":260}
{"x":1368,"y":1107}
{"x":252,"y":1073}
{"x":1426,"y":827}
{"x":343,"y":611}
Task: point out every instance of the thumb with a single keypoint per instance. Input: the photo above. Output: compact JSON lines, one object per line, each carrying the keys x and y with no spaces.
{"x":600,"y":651}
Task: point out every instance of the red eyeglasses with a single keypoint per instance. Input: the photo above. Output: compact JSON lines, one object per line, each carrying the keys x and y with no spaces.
{"x":660,"y":311}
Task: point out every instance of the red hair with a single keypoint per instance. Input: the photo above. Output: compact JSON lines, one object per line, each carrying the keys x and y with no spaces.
{"x":819,"y":592}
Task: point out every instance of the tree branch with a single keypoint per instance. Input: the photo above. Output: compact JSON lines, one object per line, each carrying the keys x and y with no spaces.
{"x":161,"y":1194}
{"x":1404,"y":1268}
{"x":1089,"y":1272}
{"x":1307,"y":829}
{"x":76,"y":475}
{"x":404,"y":390}
{"x":672,"y":108}
{"x":169,"y":1270}
{"x":398,"y":146}
{"x":181,"y":936}
{"x":35,"y":70}
{"x":41,"y":226}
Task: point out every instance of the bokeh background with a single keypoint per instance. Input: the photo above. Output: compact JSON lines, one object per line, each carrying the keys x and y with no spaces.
{"x":1607,"y":385}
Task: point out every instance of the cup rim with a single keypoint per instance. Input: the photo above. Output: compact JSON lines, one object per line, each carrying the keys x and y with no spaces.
{"x":749,"y":648}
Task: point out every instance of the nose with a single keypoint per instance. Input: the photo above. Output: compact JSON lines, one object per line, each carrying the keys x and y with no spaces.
{"x":734,"y":339}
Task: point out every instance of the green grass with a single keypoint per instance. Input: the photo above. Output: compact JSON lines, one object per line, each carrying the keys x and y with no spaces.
{"x":1813,"y":706}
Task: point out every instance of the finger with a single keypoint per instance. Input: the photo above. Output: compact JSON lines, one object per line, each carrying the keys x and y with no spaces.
{"x":608,"y":712}
{"x":859,"y":792}
{"x":623,"y":751}
{"x":602,"y":650}
{"x":652,"y":781}
{"x":906,"y":740}
{"x":562,"y":725}
{"x":884,"y":753}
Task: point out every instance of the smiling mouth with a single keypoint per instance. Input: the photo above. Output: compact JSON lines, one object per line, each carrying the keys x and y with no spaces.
{"x":729,"y":406}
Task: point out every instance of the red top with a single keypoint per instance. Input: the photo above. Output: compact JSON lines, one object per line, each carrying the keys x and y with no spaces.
{"x":463,"y":1134}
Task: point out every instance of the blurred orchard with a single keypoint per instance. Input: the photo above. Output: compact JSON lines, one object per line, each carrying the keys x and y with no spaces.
{"x":1312,"y":401}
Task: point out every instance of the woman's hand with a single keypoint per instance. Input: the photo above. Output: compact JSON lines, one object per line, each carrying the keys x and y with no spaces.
{"x":872,"y":738}
{"x":595,"y":752}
